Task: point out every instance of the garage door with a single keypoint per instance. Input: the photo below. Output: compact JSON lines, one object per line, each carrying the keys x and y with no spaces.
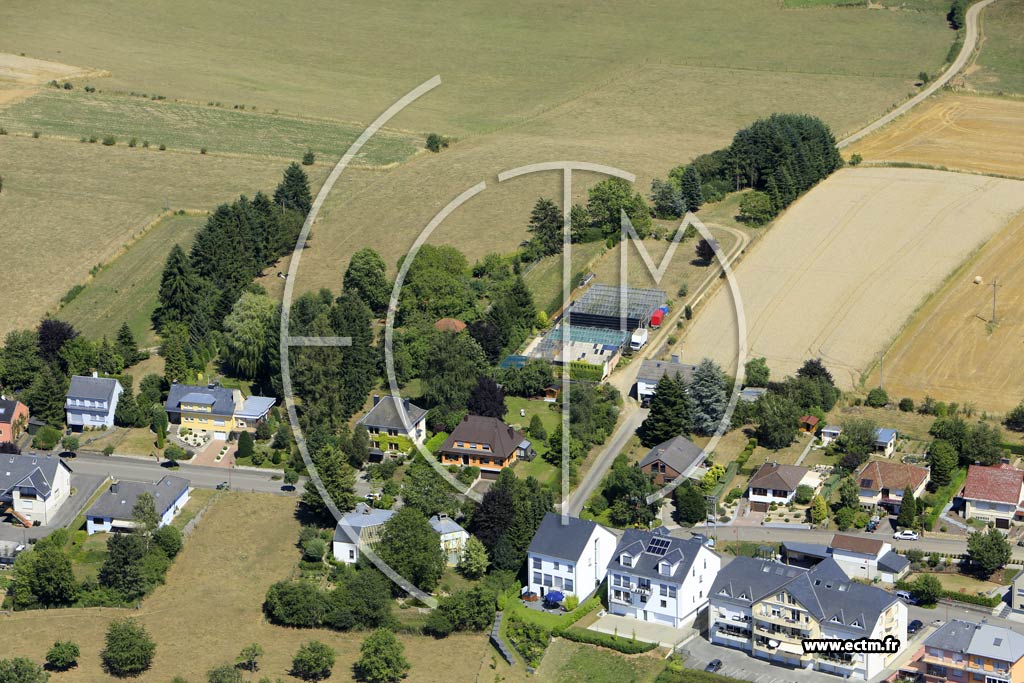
{"x":759,"y":507}
{"x":1002,"y":523}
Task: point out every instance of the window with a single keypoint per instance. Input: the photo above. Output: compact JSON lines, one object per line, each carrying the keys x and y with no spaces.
{"x":626,"y":560}
{"x":547,"y":580}
{"x":662,"y":589}
{"x":537,"y":563}
{"x":569,"y":585}
{"x":671,"y":591}
{"x":568,"y":567}
{"x":351,"y":554}
{"x":536,"y":578}
{"x":555,"y":567}
{"x":664,"y":604}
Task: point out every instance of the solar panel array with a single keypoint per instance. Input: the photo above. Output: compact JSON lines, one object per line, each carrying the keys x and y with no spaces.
{"x":658,"y":546}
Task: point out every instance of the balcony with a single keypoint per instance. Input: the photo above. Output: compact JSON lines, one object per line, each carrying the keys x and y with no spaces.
{"x":642,"y":590}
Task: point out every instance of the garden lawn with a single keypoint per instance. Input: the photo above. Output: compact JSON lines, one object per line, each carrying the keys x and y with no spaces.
{"x":569,"y":662}
{"x":961,"y":583}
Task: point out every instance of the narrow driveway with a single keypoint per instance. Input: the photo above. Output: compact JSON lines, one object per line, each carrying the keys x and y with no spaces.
{"x":970,"y":42}
{"x":632,"y":415}
{"x":145,"y":469}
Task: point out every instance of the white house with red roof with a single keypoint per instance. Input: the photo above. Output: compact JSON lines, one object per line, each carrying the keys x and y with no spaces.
{"x":994,"y":494}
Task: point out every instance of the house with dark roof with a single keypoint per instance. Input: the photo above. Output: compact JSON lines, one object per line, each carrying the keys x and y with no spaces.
{"x":970,"y":652}
{"x":884,"y":483}
{"x":92,"y":401}
{"x":659,"y":578}
{"x":13,"y":419}
{"x":485,"y":442}
{"x":361,"y":528}
{"x":775,"y":483}
{"x":215,"y":410}
{"x":858,"y":557}
{"x":651,"y":371}
{"x":33,"y":487}
{"x":112,"y":511}
{"x":569,"y":555}
{"x":395,"y":425}
{"x":767,"y":609}
{"x":994,"y":494}
{"x":672,"y":459}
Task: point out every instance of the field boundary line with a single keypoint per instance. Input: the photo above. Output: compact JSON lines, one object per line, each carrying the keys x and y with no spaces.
{"x":966,"y":51}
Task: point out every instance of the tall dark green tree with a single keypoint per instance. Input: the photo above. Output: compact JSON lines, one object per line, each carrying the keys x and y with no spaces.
{"x":451,"y":367}
{"x":546,"y":222}
{"x":690,"y":189}
{"x":179,"y":291}
{"x":942,"y":460}
{"x":983,"y":445}
{"x":691,"y":506}
{"x":20,"y":360}
{"x":487,"y":399}
{"x":293,"y":191}
{"x":122,"y":568}
{"x":53,"y":334}
{"x":425,"y":489}
{"x":709,"y":392}
{"x":45,"y":397}
{"x":606,"y":202}
{"x":776,"y":418}
{"x":908,"y":511}
{"x":666,"y":199}
{"x":126,"y":346}
{"x":367,"y":276}
{"x":988,"y":551}
{"x":671,"y":412}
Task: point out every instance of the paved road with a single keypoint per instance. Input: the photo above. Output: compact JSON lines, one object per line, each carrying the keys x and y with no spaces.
{"x":144,"y":469}
{"x":624,"y":379}
{"x":970,"y":41}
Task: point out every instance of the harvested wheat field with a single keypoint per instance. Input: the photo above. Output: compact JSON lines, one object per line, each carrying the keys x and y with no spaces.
{"x":210,"y":609}
{"x":28,"y":71}
{"x":950,"y":351}
{"x":842,"y":270}
{"x":963,"y":132}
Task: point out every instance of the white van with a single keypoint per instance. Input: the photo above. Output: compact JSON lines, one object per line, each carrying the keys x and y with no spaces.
{"x":906,"y":597}
{"x":639,"y":339}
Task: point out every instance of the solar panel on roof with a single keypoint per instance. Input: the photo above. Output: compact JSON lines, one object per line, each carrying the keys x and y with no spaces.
{"x":658,"y":546}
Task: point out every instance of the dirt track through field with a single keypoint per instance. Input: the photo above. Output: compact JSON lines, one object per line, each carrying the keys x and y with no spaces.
{"x":843,"y":269}
{"x":950,"y":351}
{"x":964,"y":132}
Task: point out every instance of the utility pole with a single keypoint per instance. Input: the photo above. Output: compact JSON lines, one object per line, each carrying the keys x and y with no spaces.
{"x":995,"y":286}
{"x":881,"y":360}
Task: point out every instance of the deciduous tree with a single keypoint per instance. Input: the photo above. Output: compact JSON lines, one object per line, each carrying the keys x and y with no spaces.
{"x":381,"y":659}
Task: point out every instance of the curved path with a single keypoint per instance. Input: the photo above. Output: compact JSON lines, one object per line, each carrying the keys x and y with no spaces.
{"x":970,"y":42}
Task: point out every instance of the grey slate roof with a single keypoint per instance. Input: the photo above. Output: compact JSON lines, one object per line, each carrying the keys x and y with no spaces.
{"x":645,"y":564}
{"x":954,"y":636}
{"x":361,"y":518}
{"x":386,"y":414}
{"x":36,"y":471}
{"x":92,"y":388}
{"x":445,"y":525}
{"x":119,"y":504}
{"x":221,"y":398}
{"x":997,"y":642}
{"x":824,"y":591}
{"x":7,"y":409}
{"x":653,"y":370}
{"x":893,"y":562}
{"x":812,"y":549}
{"x":564,"y":541}
{"x":679,"y":453}
{"x":751,"y":394}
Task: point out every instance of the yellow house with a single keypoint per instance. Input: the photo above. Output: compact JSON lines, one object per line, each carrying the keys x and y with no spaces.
{"x":215,"y":410}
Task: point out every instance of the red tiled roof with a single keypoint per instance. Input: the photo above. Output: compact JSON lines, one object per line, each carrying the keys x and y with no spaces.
{"x":449,"y":325}
{"x":856,"y":544}
{"x":809,"y":419}
{"x":881,"y":474}
{"x":998,"y":484}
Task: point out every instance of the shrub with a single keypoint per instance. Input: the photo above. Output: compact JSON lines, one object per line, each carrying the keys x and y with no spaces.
{"x":63,"y":655}
{"x":68,"y":86}
{"x":308,"y":158}
{"x":175,"y":452}
{"x":145,"y":144}
{"x":35,"y":133}
{"x":109,"y":140}
{"x":162,"y":147}
{"x":877,"y":398}
{"x":571,"y":602}
{"x":907,"y":405}
{"x":628,"y":646}
{"x":202,"y":150}
{"x":528,"y":638}
{"x":435,"y":142}
{"x":108,"y":450}
{"x":169,"y":539}
{"x":313,"y":661}
{"x":3,"y":131}
{"x":803,"y":494}
{"x":314,"y":549}
{"x":46,"y":438}
{"x":225,"y":673}
{"x":133,"y":142}
{"x":129,"y":648}
{"x":856,"y":159}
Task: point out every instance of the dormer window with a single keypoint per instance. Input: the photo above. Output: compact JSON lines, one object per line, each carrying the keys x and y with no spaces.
{"x":664,"y":568}
{"x":626,"y":560}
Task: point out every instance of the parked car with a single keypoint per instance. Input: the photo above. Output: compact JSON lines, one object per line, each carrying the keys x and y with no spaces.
{"x":68,"y":454}
{"x":906,"y":535}
{"x":915,"y":626}
{"x":906,"y":597}
{"x":707,"y":541}
{"x":223,"y":486}
{"x":713,"y":666}
{"x":872,"y":526}
{"x":1020,"y":543}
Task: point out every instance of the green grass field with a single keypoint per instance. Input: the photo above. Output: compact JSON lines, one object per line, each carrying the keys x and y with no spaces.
{"x":1000,"y":66}
{"x":126,"y":290}
{"x":910,"y":5}
{"x":534,"y":83}
{"x":74,"y":114}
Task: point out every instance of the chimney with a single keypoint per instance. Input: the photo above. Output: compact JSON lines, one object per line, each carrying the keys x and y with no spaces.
{"x":376,"y":399}
{"x":113,"y":486}
{"x":511,"y":432}
{"x":408,"y":405}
